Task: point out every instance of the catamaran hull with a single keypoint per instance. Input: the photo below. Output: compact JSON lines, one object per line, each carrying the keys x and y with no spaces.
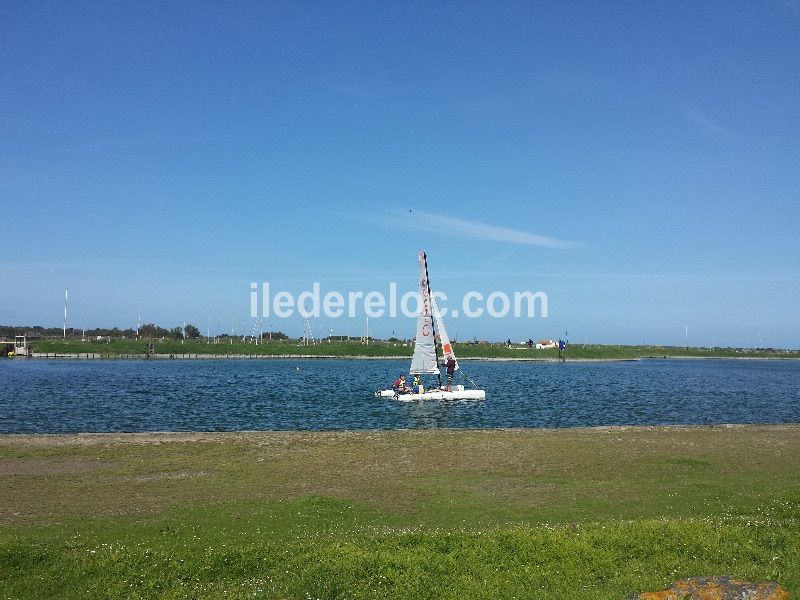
{"x":434,"y":395}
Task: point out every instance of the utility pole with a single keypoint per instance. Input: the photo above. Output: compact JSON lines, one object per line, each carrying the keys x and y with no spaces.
{"x":66,"y":293}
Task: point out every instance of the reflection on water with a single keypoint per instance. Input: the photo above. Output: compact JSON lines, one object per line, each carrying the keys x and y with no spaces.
{"x":217,"y":395}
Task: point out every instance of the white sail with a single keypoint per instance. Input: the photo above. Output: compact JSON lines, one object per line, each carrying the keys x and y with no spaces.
{"x":424,"y":359}
{"x":447,"y":347}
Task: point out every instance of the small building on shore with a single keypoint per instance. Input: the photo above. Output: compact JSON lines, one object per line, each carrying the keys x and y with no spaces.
{"x":19,"y":347}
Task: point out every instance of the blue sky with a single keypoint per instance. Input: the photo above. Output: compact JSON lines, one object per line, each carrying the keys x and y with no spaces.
{"x":161,"y":156}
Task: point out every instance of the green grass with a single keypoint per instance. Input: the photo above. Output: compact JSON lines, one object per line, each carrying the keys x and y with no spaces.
{"x":168,"y":346}
{"x":228,"y":555}
{"x":576,"y":351}
{"x":593,"y":513}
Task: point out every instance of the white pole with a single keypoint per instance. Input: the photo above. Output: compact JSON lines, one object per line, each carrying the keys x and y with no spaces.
{"x":183,"y":341}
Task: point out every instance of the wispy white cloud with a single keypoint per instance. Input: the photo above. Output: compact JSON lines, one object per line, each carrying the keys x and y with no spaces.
{"x":701,"y":119}
{"x":424,"y":221}
{"x":665,"y":277}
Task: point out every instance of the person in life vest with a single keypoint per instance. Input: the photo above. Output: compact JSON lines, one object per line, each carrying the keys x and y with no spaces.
{"x":417,"y":384}
{"x":399,"y":385}
{"x":450,"y":363}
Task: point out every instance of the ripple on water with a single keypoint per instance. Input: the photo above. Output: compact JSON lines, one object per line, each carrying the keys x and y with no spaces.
{"x":50,"y":396}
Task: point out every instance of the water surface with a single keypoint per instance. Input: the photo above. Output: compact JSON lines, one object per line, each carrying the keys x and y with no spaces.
{"x":67,"y":396}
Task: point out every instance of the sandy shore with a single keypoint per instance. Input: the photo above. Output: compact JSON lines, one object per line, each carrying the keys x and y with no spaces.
{"x":45,"y":440}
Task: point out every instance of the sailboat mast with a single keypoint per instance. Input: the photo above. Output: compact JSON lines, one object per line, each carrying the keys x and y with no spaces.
{"x":433,"y":320}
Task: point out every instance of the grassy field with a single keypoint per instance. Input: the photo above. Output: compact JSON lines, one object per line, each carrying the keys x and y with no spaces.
{"x":573,"y":514}
{"x":576,"y":351}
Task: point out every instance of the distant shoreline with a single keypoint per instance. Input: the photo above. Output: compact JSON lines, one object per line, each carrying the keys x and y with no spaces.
{"x":196,"y":356}
{"x":380,"y":350}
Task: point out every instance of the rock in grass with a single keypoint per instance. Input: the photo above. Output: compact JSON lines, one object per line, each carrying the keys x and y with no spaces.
{"x":716,"y":588}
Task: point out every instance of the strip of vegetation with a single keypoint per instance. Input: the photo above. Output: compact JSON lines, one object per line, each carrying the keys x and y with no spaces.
{"x":282,"y":347}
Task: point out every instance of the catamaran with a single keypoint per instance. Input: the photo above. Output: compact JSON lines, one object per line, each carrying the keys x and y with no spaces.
{"x":425,"y":360}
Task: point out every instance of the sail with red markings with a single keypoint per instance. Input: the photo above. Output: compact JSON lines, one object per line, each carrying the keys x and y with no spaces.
{"x":447,"y":347}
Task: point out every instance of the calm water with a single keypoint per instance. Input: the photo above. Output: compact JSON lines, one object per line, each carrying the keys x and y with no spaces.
{"x":202,"y":395}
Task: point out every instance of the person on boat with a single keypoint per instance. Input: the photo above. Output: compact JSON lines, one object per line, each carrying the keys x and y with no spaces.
{"x":416,"y":383}
{"x":450,"y":363}
{"x":400,"y":386}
